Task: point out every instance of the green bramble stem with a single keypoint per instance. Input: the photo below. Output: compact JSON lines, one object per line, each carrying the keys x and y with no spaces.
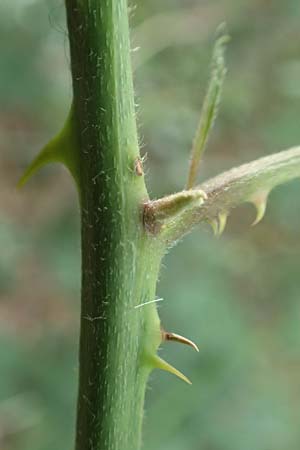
{"x":119,"y":267}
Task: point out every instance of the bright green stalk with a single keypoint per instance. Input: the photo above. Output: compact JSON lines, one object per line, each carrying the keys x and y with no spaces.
{"x":120,"y":260}
{"x":116,"y":274}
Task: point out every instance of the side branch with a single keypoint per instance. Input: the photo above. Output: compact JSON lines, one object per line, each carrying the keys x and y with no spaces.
{"x":250,"y":182}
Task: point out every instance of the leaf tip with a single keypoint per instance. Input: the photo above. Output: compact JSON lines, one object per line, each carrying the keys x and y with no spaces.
{"x":222,"y":35}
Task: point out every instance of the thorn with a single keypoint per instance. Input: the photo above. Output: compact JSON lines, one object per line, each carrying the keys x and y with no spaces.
{"x":222,"y":218}
{"x":159,"y":363}
{"x":178,"y":338}
{"x":215,"y":227}
{"x":260,"y":203}
{"x":44,"y":157}
{"x":63,"y":148}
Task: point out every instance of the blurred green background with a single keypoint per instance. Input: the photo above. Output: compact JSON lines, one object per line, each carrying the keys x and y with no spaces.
{"x":237,"y":296}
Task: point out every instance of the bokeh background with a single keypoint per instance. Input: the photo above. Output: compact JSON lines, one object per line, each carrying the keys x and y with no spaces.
{"x":237,"y":296}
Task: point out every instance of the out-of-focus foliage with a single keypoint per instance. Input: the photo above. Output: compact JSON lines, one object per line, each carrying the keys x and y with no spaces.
{"x":237,"y":297}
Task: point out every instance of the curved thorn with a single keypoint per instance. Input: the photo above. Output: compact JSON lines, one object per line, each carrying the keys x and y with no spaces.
{"x":47,"y":155}
{"x":167,"y":336}
{"x":63,"y":148}
{"x":260,"y":203}
{"x":215,"y":226}
{"x":222,"y":217}
{"x":163,"y":365}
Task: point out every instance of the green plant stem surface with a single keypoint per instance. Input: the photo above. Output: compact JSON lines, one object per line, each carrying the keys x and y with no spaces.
{"x":119,"y":263}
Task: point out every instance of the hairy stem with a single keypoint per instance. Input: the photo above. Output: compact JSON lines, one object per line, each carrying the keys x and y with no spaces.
{"x":248,"y":183}
{"x":116,"y":275}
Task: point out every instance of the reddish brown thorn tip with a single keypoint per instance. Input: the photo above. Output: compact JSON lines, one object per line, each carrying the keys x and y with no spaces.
{"x":167,"y":336}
